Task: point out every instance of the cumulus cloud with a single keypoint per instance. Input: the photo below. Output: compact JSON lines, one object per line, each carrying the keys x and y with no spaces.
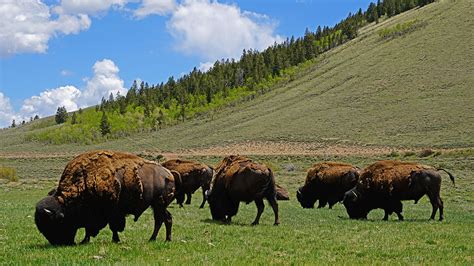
{"x":26,"y":26}
{"x":91,"y":7}
{"x":104,"y":81}
{"x":213,"y":30}
{"x":6,"y":111}
{"x":48,"y":101}
{"x":159,"y":7}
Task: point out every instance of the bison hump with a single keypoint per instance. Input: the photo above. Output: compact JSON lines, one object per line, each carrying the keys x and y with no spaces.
{"x":101,"y":175}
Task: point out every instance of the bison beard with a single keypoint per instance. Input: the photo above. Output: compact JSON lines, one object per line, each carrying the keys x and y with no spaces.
{"x":238,"y":179}
{"x":385,"y":184}
{"x":102,"y":187}
{"x":193,"y":176}
{"x":327,"y":182}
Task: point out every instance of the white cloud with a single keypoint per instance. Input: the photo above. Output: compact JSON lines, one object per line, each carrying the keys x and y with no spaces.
{"x":204,"y":67}
{"x":91,"y":7}
{"x":26,"y":26}
{"x":104,"y":81}
{"x":213,"y":30}
{"x":159,"y":7}
{"x":6,"y":111}
{"x":48,"y":101}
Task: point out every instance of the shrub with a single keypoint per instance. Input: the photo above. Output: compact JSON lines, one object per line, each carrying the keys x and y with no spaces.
{"x":425,"y":153}
{"x":8,"y":173}
{"x":400,"y":29}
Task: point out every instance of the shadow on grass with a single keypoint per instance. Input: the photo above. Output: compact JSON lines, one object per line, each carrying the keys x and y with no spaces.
{"x":405,"y":220}
{"x":241,"y":224}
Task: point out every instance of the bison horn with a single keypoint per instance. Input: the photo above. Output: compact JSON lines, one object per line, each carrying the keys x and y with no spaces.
{"x":47,"y":211}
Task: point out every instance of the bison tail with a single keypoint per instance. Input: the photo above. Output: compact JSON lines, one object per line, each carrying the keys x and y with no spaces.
{"x":450,"y":175}
{"x":271,"y":186}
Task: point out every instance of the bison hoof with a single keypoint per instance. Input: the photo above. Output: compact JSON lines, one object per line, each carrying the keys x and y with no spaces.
{"x":276,"y":223}
{"x":254,"y":223}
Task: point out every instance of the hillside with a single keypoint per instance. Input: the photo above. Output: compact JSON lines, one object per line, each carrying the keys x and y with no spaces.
{"x":413,"y":90}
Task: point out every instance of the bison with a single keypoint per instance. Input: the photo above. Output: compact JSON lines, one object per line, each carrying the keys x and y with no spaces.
{"x":385,"y":184}
{"x":193,"y":176}
{"x":239,"y":179}
{"x":102,"y":187}
{"x":327,"y":182}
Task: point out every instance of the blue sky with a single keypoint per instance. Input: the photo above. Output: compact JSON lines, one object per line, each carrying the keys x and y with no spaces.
{"x":73,"y":52}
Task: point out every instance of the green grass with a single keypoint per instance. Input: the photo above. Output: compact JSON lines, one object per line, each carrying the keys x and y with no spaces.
{"x":413,"y":91}
{"x":305,"y":236}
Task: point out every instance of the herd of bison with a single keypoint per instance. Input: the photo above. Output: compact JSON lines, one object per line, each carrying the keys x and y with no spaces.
{"x":101,"y":188}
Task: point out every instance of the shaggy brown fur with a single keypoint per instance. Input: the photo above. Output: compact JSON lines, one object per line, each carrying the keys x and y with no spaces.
{"x":327,"y":182}
{"x":385,"y":184}
{"x":101,"y":187}
{"x":193,"y":175}
{"x":240,"y":179}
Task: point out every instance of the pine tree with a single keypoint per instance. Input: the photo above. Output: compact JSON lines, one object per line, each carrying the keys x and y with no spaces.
{"x":74,"y":119}
{"x":61,"y":115}
{"x":160,"y":119}
{"x":104,"y":125}
{"x":13,"y":123}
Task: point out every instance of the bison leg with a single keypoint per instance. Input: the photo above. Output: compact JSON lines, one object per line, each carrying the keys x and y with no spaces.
{"x":168,"y":224}
{"x":274,"y":204}
{"x":117,"y":224}
{"x":437,"y":202}
{"x":203,"y":198}
{"x":385,"y":217}
{"x":260,"y":208}
{"x":159,"y":215}
{"x":188,"y":198}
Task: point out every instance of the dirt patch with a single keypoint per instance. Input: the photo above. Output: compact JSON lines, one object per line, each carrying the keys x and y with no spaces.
{"x":288,"y":148}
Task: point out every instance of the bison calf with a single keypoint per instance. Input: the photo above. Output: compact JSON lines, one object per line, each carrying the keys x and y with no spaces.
{"x":193,"y":176}
{"x":238,"y":179}
{"x":385,"y":184}
{"x":327,"y":182}
{"x":101,"y":187}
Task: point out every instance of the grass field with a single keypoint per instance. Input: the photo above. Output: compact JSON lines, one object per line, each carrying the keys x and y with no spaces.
{"x":370,"y":99}
{"x":311,"y":236}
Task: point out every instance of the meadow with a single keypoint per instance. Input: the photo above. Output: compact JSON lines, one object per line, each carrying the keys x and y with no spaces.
{"x":372,"y":98}
{"x":305,"y":236}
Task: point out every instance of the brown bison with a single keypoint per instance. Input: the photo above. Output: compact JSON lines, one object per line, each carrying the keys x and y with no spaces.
{"x":101,"y":187}
{"x":194,"y":175}
{"x":239,"y":179}
{"x":327,"y":182}
{"x":385,"y":184}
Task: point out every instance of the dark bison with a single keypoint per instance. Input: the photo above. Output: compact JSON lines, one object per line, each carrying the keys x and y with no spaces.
{"x":385,"y":184}
{"x":194,"y":175}
{"x":239,"y":179}
{"x":327,"y":182}
{"x":101,"y":187}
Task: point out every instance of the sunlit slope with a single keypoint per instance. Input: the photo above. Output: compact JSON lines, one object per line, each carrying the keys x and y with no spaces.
{"x":412,"y":90}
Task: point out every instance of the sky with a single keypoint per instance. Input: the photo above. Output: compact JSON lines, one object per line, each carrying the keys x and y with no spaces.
{"x":74,"y":52}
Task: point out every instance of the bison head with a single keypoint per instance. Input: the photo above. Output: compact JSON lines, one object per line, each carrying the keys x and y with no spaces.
{"x":216,"y":205}
{"x":355,"y":205}
{"x":51,"y":222}
{"x":305,"y":197}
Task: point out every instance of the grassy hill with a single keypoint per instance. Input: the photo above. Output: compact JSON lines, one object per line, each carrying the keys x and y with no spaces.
{"x":413,"y":90}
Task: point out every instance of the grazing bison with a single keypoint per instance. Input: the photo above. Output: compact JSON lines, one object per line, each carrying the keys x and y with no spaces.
{"x":240,"y":179}
{"x":193,"y":176}
{"x":327,"y":182}
{"x":101,"y":187}
{"x":385,"y":184}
